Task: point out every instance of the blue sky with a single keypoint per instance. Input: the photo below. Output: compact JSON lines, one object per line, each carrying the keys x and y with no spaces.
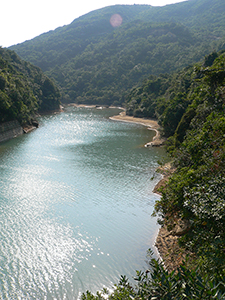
{"x":24,"y":19}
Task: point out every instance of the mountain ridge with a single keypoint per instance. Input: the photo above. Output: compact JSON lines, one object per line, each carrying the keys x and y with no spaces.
{"x":94,"y":62}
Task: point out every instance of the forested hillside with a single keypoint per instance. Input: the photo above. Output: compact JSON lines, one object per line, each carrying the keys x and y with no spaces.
{"x":24,"y":89}
{"x":191,"y":108}
{"x":166,"y":63}
{"x":93,"y":62}
{"x":197,"y":188}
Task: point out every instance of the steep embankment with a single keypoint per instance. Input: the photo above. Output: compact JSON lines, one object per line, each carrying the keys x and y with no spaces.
{"x":24,"y":91}
{"x":9,"y":130}
{"x":195,"y":191}
{"x":190,"y":106}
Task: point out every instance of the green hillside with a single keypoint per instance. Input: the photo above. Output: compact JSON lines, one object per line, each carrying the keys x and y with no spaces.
{"x":166,"y":63}
{"x":24,"y":89}
{"x":93,"y":62}
{"x":190,"y":105}
{"x":196,"y":191}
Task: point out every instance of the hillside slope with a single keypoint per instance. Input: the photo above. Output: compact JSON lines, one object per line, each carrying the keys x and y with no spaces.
{"x":192,"y":206}
{"x":190,"y":106}
{"x":24,"y":89}
{"x":195,"y":191}
{"x":94,"y":62}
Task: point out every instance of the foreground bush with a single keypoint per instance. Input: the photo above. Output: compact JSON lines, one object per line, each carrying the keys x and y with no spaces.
{"x":157,"y":283}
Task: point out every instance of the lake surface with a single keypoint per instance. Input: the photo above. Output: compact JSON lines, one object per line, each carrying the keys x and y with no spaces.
{"x":75,"y":205}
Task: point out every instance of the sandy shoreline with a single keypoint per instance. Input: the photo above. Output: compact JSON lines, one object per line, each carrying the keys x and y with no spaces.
{"x":150,"y":123}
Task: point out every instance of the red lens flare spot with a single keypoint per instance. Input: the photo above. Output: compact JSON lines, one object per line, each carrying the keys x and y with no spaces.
{"x":116,"y":20}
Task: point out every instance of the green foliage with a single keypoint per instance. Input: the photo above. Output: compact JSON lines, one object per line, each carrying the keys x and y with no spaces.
{"x":92,"y":62}
{"x":24,"y":89}
{"x":157,"y":283}
{"x":165,"y":97}
{"x":196,"y":190}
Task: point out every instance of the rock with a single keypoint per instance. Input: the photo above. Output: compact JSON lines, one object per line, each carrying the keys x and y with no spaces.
{"x":35,"y":123}
{"x":168,"y":247}
{"x":181,"y":228}
{"x":169,"y":250}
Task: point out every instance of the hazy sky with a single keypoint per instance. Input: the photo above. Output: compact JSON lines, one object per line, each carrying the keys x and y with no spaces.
{"x":22,"y":20}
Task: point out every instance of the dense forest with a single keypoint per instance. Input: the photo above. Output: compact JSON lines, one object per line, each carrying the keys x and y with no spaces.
{"x":166,"y":63}
{"x":93,"y":62}
{"x":190,"y":106}
{"x":24,"y":89}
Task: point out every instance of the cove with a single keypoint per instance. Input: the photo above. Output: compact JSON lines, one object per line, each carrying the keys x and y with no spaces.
{"x":76,"y":202}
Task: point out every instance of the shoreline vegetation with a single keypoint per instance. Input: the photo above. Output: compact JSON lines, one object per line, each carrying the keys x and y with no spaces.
{"x":166,"y":242}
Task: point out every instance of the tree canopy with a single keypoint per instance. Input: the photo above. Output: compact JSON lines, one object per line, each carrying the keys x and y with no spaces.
{"x":197,"y":144}
{"x":24,"y":89}
{"x":151,"y":64}
{"x":192,"y":103}
{"x":94,"y":62}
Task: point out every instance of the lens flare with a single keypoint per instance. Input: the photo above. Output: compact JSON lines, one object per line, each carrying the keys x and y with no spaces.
{"x":116,"y":20}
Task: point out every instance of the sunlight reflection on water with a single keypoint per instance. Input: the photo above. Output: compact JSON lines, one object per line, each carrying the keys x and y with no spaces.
{"x":75,"y":204}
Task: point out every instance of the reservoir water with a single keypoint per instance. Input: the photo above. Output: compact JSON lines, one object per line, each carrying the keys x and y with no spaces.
{"x":75,"y":205}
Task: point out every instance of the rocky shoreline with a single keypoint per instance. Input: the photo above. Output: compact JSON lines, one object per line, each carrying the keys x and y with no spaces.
{"x":166,"y":241}
{"x":12,"y":129}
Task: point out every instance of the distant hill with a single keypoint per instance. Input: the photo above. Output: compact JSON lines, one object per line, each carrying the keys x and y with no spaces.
{"x":24,"y":89}
{"x":93,"y":62}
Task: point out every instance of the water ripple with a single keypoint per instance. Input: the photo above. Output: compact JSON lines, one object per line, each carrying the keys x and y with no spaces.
{"x":75,"y":205}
